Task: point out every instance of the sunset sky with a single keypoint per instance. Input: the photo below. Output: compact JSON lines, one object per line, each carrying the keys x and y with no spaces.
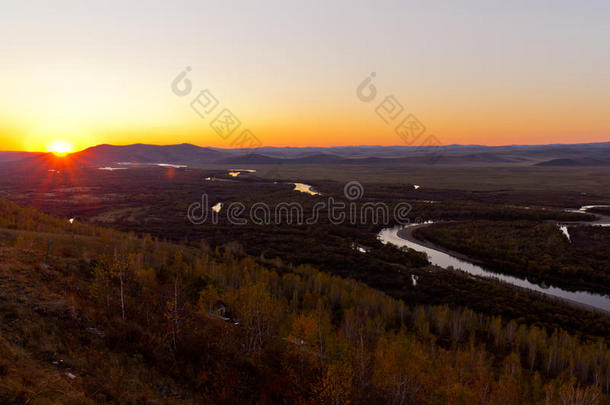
{"x":484,"y":72}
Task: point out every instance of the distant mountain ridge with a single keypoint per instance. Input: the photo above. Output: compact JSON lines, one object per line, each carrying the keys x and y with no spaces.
{"x":574,"y":162}
{"x":142,"y":153}
{"x":590,"y":154}
{"x":10,"y":156}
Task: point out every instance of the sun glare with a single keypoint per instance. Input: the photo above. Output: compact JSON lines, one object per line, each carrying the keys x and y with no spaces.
{"x":60,"y":148}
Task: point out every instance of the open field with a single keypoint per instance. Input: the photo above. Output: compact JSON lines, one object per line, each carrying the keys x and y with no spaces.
{"x":155,"y":200}
{"x":593,"y":180}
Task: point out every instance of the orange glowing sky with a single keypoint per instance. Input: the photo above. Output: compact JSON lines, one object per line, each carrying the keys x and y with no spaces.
{"x":76,"y":74}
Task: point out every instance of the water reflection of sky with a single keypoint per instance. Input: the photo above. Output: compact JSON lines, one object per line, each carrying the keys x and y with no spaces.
{"x":305,"y":188}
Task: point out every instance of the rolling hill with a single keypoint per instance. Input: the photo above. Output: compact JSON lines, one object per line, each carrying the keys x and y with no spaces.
{"x":595,"y":154}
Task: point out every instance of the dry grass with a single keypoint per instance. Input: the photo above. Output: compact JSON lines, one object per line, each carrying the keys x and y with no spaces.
{"x":47,"y":353}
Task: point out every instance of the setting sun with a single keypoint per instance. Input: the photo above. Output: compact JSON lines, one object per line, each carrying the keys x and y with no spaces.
{"x":60,"y":148}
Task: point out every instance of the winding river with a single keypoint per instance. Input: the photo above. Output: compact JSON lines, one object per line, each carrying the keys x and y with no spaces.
{"x":402,"y":236}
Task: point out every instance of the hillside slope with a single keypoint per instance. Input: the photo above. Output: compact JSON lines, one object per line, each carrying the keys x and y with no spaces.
{"x":89,"y":315}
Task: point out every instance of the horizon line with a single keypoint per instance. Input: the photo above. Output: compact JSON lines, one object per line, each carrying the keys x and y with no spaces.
{"x":314,"y":146}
